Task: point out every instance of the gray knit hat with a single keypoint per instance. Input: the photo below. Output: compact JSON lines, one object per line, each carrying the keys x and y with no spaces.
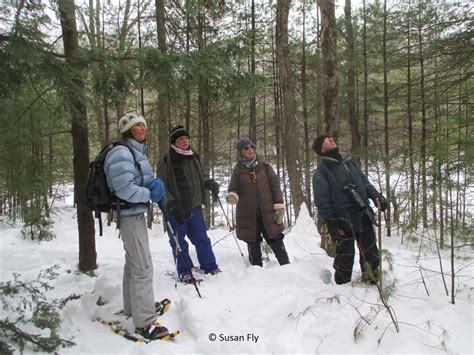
{"x":242,"y":143}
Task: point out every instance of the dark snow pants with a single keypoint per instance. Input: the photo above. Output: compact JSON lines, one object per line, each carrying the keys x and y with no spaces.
{"x":345,"y":252}
{"x":277,"y":245}
{"x":195,"y":229}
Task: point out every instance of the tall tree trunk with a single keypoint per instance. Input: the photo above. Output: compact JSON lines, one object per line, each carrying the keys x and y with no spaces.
{"x":365,"y":141}
{"x":80,"y":138}
{"x":411,"y":148}
{"x":290,"y":138}
{"x":307,"y":159}
{"x":351,"y":84}
{"x":385,"y":115}
{"x":424,"y":194}
{"x":329,"y":54}
{"x":187,"y":114}
{"x":204,"y":110}
{"x":276,"y":98}
{"x":319,"y":75}
{"x":253,"y":102}
{"x":96,"y":99}
{"x":163,"y":102}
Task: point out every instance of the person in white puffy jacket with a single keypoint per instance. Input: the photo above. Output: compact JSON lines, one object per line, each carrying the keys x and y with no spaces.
{"x":135,"y":189}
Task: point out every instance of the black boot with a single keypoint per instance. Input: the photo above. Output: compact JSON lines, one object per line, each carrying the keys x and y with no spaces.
{"x":255,"y":253}
{"x":280,"y":252}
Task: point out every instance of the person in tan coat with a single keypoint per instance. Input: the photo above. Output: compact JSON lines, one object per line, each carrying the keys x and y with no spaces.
{"x":255,"y":189}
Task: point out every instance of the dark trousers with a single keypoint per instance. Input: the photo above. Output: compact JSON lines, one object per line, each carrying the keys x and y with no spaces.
{"x":368,"y":254}
{"x":277,"y":245}
{"x":195,"y":229}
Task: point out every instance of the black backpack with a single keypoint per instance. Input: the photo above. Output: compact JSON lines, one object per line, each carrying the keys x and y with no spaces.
{"x":99,"y":197}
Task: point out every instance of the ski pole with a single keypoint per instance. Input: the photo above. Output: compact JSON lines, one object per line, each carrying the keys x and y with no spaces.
{"x":179,"y":251}
{"x":379,"y":232}
{"x":231,"y":228}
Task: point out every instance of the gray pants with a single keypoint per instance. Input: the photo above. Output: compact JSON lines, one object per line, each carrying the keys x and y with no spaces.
{"x":138,"y":296}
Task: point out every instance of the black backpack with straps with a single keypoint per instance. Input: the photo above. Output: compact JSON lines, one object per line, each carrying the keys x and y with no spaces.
{"x":99,"y":197}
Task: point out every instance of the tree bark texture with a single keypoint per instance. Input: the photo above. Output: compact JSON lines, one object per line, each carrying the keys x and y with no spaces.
{"x":291,"y":136}
{"x":80,"y":139}
{"x":329,"y":57}
{"x":351,"y":85}
{"x":163,"y":102}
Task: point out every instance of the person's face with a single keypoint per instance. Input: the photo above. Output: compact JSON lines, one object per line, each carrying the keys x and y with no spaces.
{"x":328,"y":144}
{"x":182,"y":142}
{"x":248,"y":151}
{"x":139,"y":132}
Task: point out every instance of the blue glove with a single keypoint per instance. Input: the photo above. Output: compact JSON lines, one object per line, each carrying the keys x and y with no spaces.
{"x":157,"y":191}
{"x":154,"y":182}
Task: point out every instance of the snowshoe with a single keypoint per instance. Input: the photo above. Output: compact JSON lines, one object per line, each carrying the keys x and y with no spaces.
{"x":160,"y":307}
{"x":155,"y":331}
{"x":188,"y":280}
{"x":143,"y":335}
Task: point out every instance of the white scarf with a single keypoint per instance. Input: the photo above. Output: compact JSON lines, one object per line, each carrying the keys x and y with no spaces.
{"x":182,"y":151}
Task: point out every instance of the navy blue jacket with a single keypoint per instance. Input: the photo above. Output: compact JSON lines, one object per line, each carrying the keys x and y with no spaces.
{"x":330,"y":198}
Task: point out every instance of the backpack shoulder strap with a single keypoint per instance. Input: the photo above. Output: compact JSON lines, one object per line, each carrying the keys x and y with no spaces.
{"x":324,"y":171}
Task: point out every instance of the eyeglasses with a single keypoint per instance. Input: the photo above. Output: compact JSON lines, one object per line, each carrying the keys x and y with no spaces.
{"x":249,"y":147}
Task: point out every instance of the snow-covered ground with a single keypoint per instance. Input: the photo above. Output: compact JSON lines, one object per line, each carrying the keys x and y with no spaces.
{"x":296,"y":308}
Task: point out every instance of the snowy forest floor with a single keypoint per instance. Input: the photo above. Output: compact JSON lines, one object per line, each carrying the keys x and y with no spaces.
{"x":296,"y":308}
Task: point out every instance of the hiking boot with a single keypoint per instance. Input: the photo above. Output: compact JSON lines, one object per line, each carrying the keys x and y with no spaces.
{"x":153,"y":332}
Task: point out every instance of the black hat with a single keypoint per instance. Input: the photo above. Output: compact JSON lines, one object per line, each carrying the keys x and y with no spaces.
{"x":177,"y":132}
{"x":318,"y":143}
{"x":242,"y":143}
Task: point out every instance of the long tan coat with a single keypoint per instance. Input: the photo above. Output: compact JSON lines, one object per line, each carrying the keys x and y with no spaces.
{"x":266,"y":189}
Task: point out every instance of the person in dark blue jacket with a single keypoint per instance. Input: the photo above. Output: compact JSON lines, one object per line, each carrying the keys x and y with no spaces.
{"x":341,"y":192}
{"x":131,"y":180}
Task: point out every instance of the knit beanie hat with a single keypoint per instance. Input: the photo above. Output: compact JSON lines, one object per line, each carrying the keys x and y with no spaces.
{"x":318,"y":143}
{"x":130,"y":120}
{"x":242,"y":143}
{"x":177,"y":132}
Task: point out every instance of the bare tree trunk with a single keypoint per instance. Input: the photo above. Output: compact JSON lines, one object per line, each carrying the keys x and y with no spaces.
{"x":96,"y":99}
{"x":365,"y":141}
{"x":329,"y":55}
{"x":319,"y":75}
{"x":424,"y":195}
{"x":307,"y":159}
{"x":253,"y":102}
{"x":80,"y":138}
{"x":188,"y":92}
{"x":437,"y":177}
{"x":163,"y":102}
{"x":386,"y":127}
{"x":351,"y":84}
{"x":289,"y":105}
{"x":411,"y":148}
{"x":204,"y":111}
{"x":277,"y":116}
